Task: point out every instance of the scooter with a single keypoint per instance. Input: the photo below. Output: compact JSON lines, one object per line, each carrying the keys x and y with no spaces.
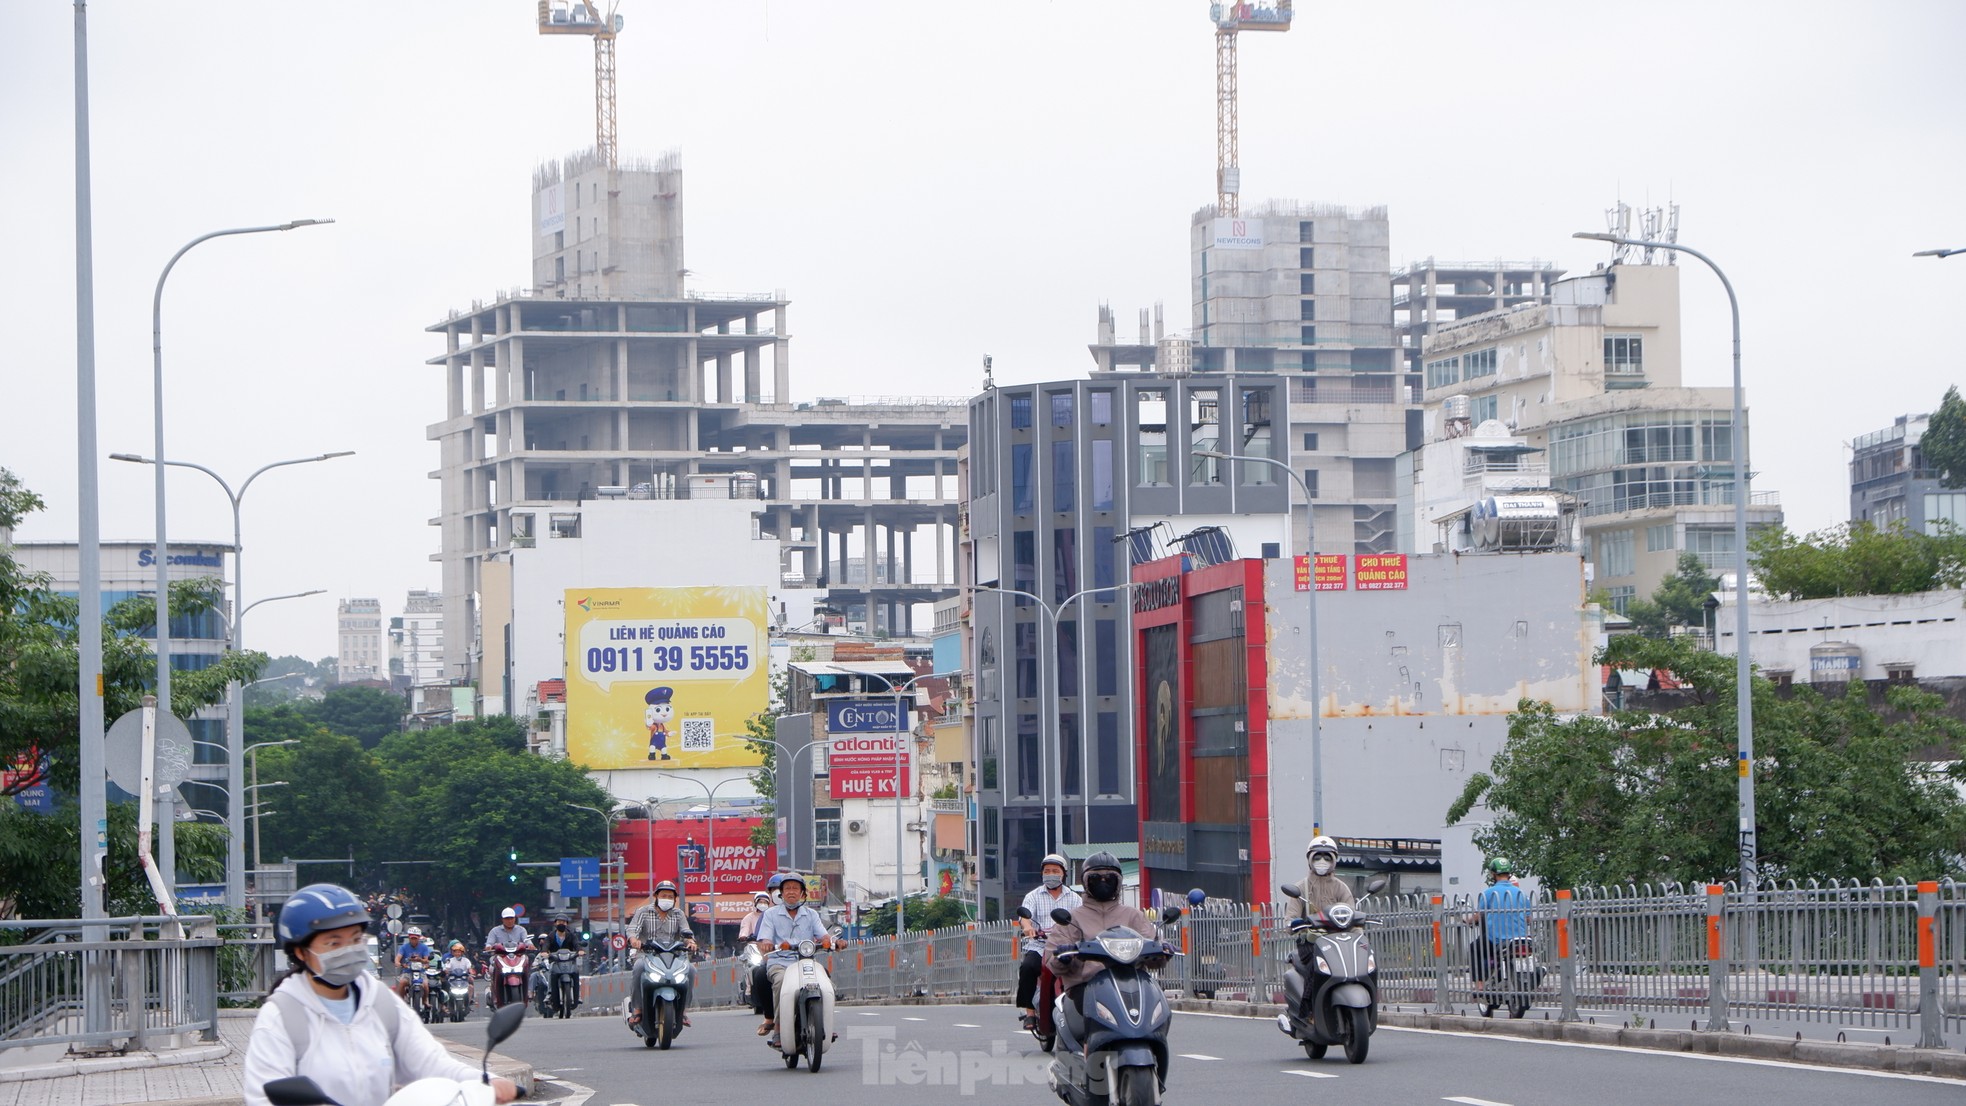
{"x":565,"y":981}
{"x":1046,"y":1031}
{"x":299,"y":1090}
{"x":1516,"y":976}
{"x":805,"y":1010}
{"x":753,"y":960}
{"x":664,"y":978}
{"x":1334,"y":965}
{"x":457,"y":993}
{"x":1115,"y":1053}
{"x":508,"y":975}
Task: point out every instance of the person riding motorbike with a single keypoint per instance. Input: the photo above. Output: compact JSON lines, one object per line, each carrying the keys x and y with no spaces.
{"x":1502,"y":911}
{"x":330,"y":1018}
{"x":1050,"y":894}
{"x":459,"y":960}
{"x":779,"y":934}
{"x":1323,"y":887}
{"x":413,"y":948}
{"x":562,"y":937}
{"x":1100,"y":911}
{"x":507,"y":934}
{"x":662,"y":921}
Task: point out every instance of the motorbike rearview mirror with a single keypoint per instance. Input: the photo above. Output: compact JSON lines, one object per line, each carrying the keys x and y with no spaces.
{"x":1024,"y":912}
{"x":504,"y":1022}
{"x":1291,"y":890}
{"x":1061,"y":915}
{"x":1376,"y":885}
{"x":1170,"y":913}
{"x":296,"y":1090}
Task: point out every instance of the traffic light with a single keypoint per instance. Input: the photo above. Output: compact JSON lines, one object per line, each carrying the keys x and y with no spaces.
{"x":513,"y":878}
{"x":512,"y":855}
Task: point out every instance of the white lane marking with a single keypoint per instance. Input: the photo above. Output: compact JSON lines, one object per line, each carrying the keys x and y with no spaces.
{"x":966,"y":1025}
{"x":868,"y":1013}
{"x":1198,"y":1056}
{"x":1310,"y":1074}
{"x":1474,"y":1101}
{"x":914,"y":1019}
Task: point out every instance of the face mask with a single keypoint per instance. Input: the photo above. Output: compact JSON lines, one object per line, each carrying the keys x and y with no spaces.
{"x":1321,"y":867}
{"x":664,"y":903}
{"x":777,"y":899}
{"x":1052,"y":883}
{"x":1104,"y":887}
{"x":340,"y":967}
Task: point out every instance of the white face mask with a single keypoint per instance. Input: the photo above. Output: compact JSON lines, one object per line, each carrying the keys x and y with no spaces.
{"x":1321,"y":867}
{"x":664,"y":903}
{"x":340,"y":967}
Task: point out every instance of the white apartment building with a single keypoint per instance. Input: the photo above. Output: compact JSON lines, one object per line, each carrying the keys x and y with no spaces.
{"x":361,"y":651}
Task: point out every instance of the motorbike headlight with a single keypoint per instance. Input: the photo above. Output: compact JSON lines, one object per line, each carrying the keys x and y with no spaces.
{"x":807,"y":948}
{"x":1323,"y":965}
{"x":1371,"y":961}
{"x":1099,"y":1008}
{"x":1123,"y":949}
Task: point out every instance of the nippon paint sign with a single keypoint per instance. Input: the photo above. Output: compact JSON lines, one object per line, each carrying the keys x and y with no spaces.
{"x":1238,"y":234}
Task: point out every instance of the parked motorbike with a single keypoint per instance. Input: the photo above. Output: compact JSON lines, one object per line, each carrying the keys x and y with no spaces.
{"x":456,"y":994}
{"x":1115,"y":1052}
{"x":1046,"y":1031}
{"x":421,"y":999}
{"x":805,"y":1010}
{"x":299,"y":1090}
{"x":565,"y":971}
{"x":1333,"y":964}
{"x":1514,"y":977}
{"x":508,"y":975}
{"x":664,"y":978}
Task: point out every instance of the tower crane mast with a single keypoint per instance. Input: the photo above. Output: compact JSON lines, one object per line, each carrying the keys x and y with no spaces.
{"x":582,"y":17}
{"x":1230,"y":19}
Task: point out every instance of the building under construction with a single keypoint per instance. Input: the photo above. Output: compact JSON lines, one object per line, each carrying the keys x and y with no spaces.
{"x":609,"y":378}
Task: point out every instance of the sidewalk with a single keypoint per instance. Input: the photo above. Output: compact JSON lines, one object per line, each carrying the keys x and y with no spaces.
{"x":204,"y":1074}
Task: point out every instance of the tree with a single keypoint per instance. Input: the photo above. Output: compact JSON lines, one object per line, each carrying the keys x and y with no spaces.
{"x":299,"y":674}
{"x":332,"y":801}
{"x":1679,"y":600}
{"x":762,"y":731}
{"x":367,"y":714}
{"x":41,"y":860}
{"x":1653,"y":797}
{"x":938,"y":912}
{"x":1944,"y":441}
{"x":1857,"y":559}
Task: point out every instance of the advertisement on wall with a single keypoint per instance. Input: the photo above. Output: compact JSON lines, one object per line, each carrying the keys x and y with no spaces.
{"x":681,"y":850}
{"x":1330,"y":574}
{"x":1238,"y":234}
{"x":865,"y":766}
{"x":664,"y":677}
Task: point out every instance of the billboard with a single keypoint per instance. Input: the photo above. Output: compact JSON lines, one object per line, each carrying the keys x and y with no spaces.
{"x":664,"y":677}
{"x":865,"y":765}
{"x":1238,"y":234}
{"x":681,"y":850}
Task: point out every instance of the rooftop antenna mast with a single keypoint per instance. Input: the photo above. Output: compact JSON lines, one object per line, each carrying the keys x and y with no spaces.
{"x":1230,"y":19}
{"x":581,"y":17}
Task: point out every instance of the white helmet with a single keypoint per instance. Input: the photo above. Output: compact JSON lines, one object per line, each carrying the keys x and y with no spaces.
{"x":1322,"y":844}
{"x":415,"y":932}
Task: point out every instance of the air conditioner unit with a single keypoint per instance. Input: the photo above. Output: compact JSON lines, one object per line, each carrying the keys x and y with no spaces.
{"x":856,"y":826}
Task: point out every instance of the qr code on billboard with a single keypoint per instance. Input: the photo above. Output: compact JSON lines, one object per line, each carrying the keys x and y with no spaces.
{"x":699,"y":735}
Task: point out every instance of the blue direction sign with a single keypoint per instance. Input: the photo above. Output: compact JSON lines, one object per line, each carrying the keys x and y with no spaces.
{"x":690,"y":859}
{"x":580,"y":877}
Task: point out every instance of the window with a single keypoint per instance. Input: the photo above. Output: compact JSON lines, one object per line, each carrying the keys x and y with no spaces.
{"x":1307,"y":309}
{"x":1061,"y":408}
{"x":1105,"y":658}
{"x":1020,"y":412}
{"x":1624,"y":355}
{"x":1027,"y":660}
{"x":1310,"y":482}
{"x":1068,"y":660}
{"x":1304,"y":230}
{"x":1310,"y":443}
{"x":1100,"y":404}
{"x":1068,"y":754}
{"x":1064,"y":563}
{"x":1658,"y":537}
{"x":1030,"y":760}
{"x":1443,"y":372}
{"x":1253,"y":440}
{"x":1480,"y":363}
{"x":1306,"y":285}
{"x":1102,"y":474}
{"x":1621,"y":597}
{"x":1151,"y":408}
{"x":1205,"y":423}
{"x":1615,"y":554}
{"x":1483,"y":408}
{"x":1020,"y":478}
{"x":1103,"y":554}
{"x":1024,"y":564}
{"x":1713,"y":545}
{"x":1108,"y":757}
{"x":1064,"y":477}
{"x":1945,"y":507}
{"x":1305,"y":258}
{"x":826,"y":833}
{"x":1307,"y":336}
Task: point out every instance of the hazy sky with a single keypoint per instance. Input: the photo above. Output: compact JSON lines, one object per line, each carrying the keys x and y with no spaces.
{"x":928,"y":182}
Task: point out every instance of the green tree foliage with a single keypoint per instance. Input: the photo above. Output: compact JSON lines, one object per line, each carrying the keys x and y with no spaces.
{"x":332,"y":800}
{"x":287,"y":677}
{"x":1944,"y":441}
{"x":367,"y":714}
{"x":1679,"y":600}
{"x":1648,"y":797}
{"x":761,"y":730}
{"x":938,"y":912}
{"x":1857,"y":559}
{"x":41,"y":859}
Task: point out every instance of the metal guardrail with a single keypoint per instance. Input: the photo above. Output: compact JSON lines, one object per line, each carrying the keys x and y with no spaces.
{"x":157,"y":976}
{"x":1871,"y":954}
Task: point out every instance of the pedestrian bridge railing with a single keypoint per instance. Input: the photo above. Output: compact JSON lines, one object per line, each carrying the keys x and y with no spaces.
{"x":153,"y":977}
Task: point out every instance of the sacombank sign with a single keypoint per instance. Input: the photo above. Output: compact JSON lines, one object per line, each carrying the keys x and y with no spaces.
{"x":863,"y":716}
{"x":197,"y":558}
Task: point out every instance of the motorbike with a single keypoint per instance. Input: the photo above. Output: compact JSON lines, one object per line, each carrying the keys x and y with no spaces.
{"x":456,"y":995}
{"x":753,"y":960}
{"x":565,"y":970}
{"x":804,"y":1010}
{"x":508,"y":974}
{"x":1046,"y":1031}
{"x":1513,"y":978}
{"x":664,"y":978}
{"x":1115,"y":1052}
{"x":299,"y":1090}
{"x":1331,"y":989}
{"x":421,"y":1000}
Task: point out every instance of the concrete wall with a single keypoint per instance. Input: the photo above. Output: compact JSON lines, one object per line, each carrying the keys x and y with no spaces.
{"x":1926,"y":630}
{"x":1417,"y":688}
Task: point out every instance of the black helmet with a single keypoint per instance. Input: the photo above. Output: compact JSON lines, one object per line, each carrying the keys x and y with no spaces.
{"x":665,"y":885}
{"x":1100,"y":861}
{"x":1101,"y":875}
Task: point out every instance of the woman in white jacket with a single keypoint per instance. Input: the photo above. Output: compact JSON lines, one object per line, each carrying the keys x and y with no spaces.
{"x":333,"y":1021}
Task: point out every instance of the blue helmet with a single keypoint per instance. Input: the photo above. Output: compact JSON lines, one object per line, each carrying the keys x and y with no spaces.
{"x":772,"y":883}
{"x":317,"y":907}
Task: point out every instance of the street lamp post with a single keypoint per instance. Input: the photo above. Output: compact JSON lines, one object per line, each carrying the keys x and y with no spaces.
{"x":249,"y":755}
{"x":607,"y":838}
{"x":235,"y":723}
{"x":901,"y":735}
{"x":1920,"y":253}
{"x":791,"y":824}
{"x":1052,"y":710}
{"x":709,"y":864}
{"x":1743,"y":668}
{"x":1310,"y":628}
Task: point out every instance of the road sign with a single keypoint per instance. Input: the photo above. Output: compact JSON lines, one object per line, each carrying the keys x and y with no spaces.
{"x":580,"y":876}
{"x":618,"y":941}
{"x":690,"y":858}
{"x":123,"y":751}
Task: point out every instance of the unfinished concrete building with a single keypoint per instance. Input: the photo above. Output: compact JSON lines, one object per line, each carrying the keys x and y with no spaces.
{"x":608,"y":378}
{"x":1430,"y":294}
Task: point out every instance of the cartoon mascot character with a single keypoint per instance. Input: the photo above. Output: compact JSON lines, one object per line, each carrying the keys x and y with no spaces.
{"x":656,"y":717}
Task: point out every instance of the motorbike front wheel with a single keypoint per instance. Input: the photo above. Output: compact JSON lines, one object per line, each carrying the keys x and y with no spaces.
{"x":1136,"y":1087}
{"x":1358,"y":1033}
{"x":1315,"y":1052}
{"x":815,"y":1026}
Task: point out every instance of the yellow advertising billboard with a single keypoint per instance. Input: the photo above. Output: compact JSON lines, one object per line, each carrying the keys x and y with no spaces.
{"x":664,"y":677}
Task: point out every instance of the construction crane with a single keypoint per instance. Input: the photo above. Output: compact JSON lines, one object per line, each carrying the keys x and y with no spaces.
{"x":581,"y":17}
{"x":1229,"y":20}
